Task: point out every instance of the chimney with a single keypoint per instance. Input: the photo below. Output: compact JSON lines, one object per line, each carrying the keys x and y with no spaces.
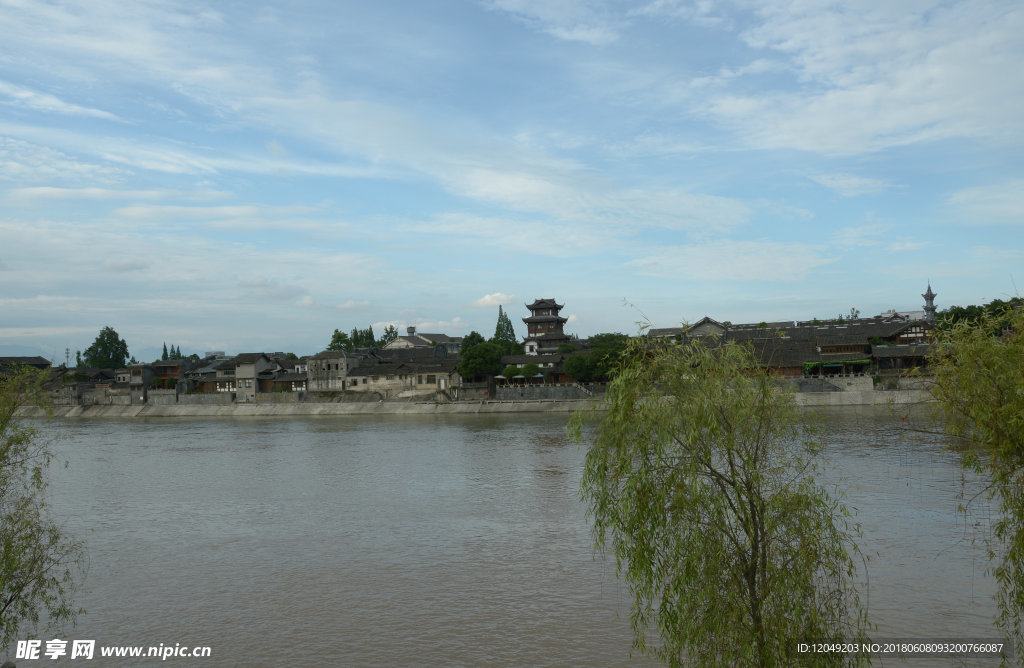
{"x":411,"y":331}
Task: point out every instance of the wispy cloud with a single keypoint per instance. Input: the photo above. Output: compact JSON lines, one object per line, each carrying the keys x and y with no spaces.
{"x":26,"y":162}
{"x":875,"y":76}
{"x":570,"y":20}
{"x":52,"y":193}
{"x":352,"y":305}
{"x":996,"y":203}
{"x":494,"y":299}
{"x":735,"y":261}
{"x":37,"y":101}
{"x":850,"y":185}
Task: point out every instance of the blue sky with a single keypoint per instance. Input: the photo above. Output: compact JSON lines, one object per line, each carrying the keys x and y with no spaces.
{"x":249,"y":176}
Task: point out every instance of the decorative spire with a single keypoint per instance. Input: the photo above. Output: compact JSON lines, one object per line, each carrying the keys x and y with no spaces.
{"x":929,"y":304}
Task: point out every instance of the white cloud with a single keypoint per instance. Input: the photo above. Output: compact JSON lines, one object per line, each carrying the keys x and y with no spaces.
{"x":27,"y":162}
{"x":51,"y":193}
{"x":997,"y":203}
{"x":861,"y":235}
{"x":734,"y":261}
{"x":352,"y":305}
{"x":305,"y":302}
{"x":494,"y":299}
{"x":871,"y":76}
{"x":699,"y":12}
{"x":454,"y":327}
{"x":570,"y":20}
{"x":37,"y":101}
{"x":850,"y":185}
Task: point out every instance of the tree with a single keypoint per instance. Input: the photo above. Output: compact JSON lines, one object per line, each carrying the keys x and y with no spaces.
{"x":39,"y":563}
{"x":605,"y":351}
{"x":340,"y":341}
{"x":163,"y":357}
{"x":598,"y":364}
{"x":470,"y":340}
{"x":389,"y":335}
{"x":530,"y":370}
{"x":363,"y":338}
{"x":481,"y":360}
{"x":578,"y":366}
{"x":698,"y":480}
{"x":997,"y":311}
{"x":511,"y":371}
{"x":504,"y":331}
{"x":508,"y":347}
{"x":108,"y":351}
{"x":977,"y":367}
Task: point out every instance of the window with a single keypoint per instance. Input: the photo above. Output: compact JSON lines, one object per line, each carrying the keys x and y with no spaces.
{"x":431,"y":380}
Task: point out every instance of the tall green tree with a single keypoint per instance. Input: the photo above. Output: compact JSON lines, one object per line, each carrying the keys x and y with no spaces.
{"x":977,"y":368}
{"x":163,"y":357}
{"x":108,"y":351}
{"x":39,"y":563}
{"x":363,"y":338}
{"x":504,"y":331}
{"x":389,"y":335}
{"x":697,"y":479}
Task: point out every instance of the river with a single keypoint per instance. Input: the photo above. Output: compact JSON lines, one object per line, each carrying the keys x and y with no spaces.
{"x":439,"y":540}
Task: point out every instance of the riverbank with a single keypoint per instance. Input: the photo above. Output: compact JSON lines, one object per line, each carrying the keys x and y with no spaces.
{"x":313,"y":409}
{"x":855,"y":398}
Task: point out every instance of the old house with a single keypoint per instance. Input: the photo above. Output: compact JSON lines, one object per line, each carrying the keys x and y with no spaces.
{"x":328,"y":371}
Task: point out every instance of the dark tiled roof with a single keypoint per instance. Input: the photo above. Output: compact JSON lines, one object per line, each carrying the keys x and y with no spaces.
{"x":438,"y":338}
{"x":842,"y":340}
{"x":25,"y":361}
{"x":548,"y":336}
{"x":544,"y":318}
{"x":249,"y":358}
{"x":665,"y":332}
{"x":544,"y":303}
{"x":289,"y":376}
{"x":328,"y":354}
{"x":381,"y":368}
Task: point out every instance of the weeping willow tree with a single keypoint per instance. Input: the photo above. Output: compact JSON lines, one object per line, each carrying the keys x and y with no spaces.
{"x":39,"y":563}
{"x":977,"y":367}
{"x":699,"y":480}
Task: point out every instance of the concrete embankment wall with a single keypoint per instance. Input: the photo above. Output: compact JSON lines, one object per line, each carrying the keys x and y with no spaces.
{"x":295,"y":409}
{"x":863,"y":398}
{"x":308,"y":409}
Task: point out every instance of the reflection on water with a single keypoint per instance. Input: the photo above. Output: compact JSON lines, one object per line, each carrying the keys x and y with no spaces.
{"x":456,"y":540}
